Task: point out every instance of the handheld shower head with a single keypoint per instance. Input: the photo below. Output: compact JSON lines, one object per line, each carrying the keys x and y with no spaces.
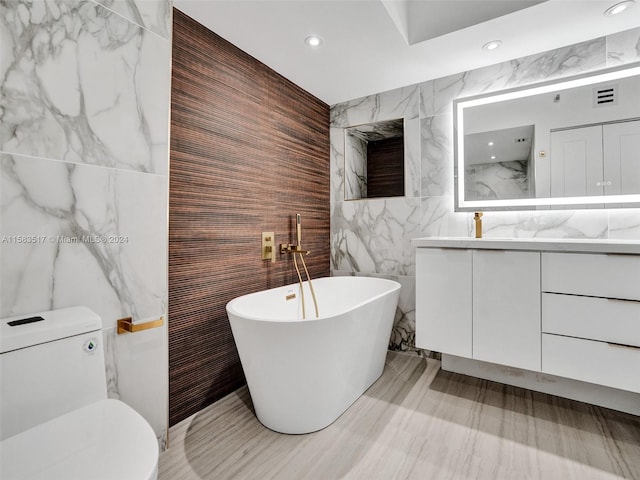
{"x":298,"y":228}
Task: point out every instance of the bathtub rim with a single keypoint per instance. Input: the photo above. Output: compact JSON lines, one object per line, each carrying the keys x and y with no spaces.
{"x":230,"y":308}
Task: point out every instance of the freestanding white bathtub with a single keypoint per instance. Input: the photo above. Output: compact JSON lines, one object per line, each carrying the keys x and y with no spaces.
{"x":303,"y":374}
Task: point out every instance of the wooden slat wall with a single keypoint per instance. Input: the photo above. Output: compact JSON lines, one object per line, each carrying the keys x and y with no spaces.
{"x":385,"y":168}
{"x":249,"y":150}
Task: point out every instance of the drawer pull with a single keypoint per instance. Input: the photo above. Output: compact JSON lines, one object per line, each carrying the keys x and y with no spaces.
{"x":622,"y":300}
{"x":619,"y":345}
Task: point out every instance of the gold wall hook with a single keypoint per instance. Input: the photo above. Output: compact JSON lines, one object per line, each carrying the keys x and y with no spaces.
{"x":126,"y":325}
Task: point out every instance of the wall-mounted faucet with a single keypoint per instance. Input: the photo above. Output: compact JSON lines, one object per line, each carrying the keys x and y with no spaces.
{"x":292,"y":247}
{"x":297,"y":248}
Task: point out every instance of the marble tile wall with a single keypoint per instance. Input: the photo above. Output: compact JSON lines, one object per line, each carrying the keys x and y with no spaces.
{"x":372,"y":237}
{"x":497,"y":180}
{"x":85,"y":91}
{"x":355,"y":166}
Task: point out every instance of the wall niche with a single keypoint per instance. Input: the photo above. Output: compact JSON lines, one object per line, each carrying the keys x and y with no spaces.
{"x":374,"y":160}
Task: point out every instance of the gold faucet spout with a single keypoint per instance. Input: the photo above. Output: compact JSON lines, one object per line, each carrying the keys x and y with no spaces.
{"x":291,"y":248}
{"x":295,"y":247}
{"x":477,"y":218}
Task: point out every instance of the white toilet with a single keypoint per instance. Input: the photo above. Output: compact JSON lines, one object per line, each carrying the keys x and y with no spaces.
{"x":56,"y":421}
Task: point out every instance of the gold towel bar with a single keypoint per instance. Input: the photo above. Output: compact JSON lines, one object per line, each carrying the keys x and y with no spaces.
{"x":127,"y":325}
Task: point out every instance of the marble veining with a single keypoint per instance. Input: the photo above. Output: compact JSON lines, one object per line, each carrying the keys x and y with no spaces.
{"x":80,"y":83}
{"x":372,"y":132}
{"x":81,"y":215}
{"x":436,"y":137}
{"x":624,"y":224}
{"x":337,"y":168}
{"x":404,"y":323}
{"x":399,"y":103}
{"x":578,"y":224}
{"x":355,"y":164}
{"x":85,"y":94}
{"x":499,"y":180}
{"x":437,"y":95}
{"x":437,"y":218}
{"x":412,"y":166}
{"x":373,"y":236}
{"x":623,"y":47}
{"x":367,"y":243}
{"x":152,"y":15}
{"x":110,"y":361}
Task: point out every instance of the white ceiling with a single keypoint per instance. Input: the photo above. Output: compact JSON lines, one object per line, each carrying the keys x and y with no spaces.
{"x":367,"y":43}
{"x":507,"y":145}
{"x":418,"y":21}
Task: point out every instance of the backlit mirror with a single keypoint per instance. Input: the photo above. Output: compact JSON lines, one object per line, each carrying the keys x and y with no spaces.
{"x":571,"y":143}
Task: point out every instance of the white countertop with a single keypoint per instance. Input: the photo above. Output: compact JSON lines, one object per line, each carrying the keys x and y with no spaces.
{"x":537,"y":244}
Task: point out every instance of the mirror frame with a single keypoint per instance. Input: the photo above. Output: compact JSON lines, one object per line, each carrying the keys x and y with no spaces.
{"x":459,"y":104}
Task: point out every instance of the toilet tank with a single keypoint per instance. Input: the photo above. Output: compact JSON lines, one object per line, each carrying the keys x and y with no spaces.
{"x":50,"y":363}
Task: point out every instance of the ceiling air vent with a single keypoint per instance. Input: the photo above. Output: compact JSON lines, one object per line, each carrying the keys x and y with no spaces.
{"x":605,"y":95}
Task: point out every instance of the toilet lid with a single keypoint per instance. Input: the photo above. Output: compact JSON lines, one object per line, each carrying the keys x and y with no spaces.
{"x":105,"y":440}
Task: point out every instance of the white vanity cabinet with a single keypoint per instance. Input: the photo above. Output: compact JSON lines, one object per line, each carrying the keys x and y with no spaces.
{"x":506,"y":308}
{"x":443,"y":295}
{"x":480,"y":304}
{"x":591,"y":318}
{"x":557,"y":316}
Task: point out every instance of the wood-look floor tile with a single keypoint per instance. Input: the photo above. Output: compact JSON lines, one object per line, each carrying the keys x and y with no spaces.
{"x":415,"y":422}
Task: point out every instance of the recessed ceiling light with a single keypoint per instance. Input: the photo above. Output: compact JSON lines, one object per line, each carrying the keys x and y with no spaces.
{"x":313,"y":41}
{"x":492,"y":45}
{"x":493,"y":157}
{"x":490,"y":144}
{"x":619,"y":8}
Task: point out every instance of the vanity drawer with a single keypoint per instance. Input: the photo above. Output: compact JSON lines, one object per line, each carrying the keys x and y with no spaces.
{"x":593,"y":274}
{"x":589,"y":361}
{"x":616,"y":321}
